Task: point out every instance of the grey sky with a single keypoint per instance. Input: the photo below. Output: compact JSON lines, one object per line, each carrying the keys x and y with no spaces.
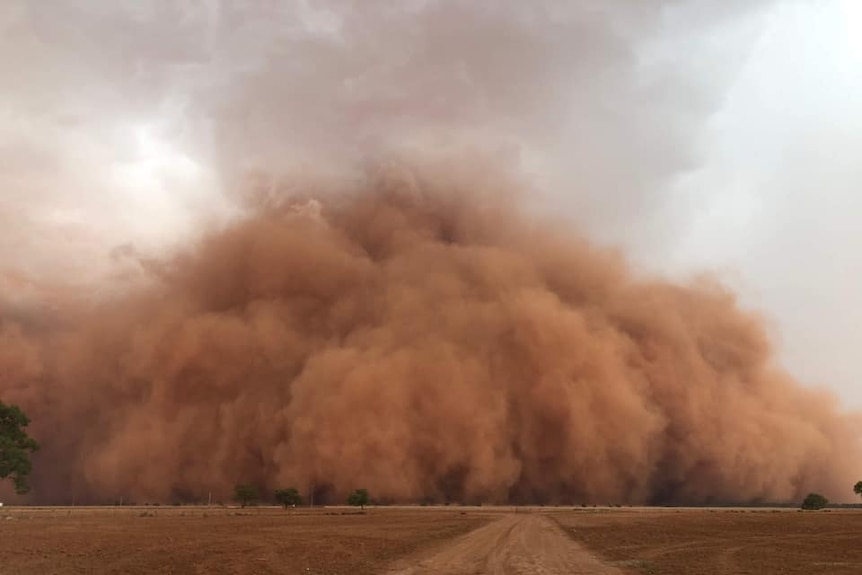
{"x":779,"y":192}
{"x":700,"y":135}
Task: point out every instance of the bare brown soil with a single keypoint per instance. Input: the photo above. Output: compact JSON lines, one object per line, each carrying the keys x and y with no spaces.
{"x":722,"y":541}
{"x":219,"y":541}
{"x":516,"y":544}
{"x":428,"y":541}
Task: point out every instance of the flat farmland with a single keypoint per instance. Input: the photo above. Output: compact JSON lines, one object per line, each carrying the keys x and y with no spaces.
{"x":185,"y":540}
{"x":432,"y":541}
{"x":721,"y":541}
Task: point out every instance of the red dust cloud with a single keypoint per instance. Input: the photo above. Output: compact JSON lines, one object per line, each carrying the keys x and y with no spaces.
{"x":419,"y":335}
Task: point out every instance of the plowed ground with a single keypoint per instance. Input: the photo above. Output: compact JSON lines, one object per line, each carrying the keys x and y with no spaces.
{"x":722,"y":542}
{"x":219,"y":541}
{"x":428,"y":541}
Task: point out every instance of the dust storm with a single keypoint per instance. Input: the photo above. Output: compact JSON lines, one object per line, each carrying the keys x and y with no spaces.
{"x":415,"y":332}
{"x":411,"y":291}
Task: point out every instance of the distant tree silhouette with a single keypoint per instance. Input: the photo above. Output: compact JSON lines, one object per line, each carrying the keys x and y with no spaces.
{"x":814,"y":501}
{"x":245,"y":494}
{"x":857,"y":489}
{"x":358,"y":498}
{"x":288,"y":497}
{"x":15,"y":446}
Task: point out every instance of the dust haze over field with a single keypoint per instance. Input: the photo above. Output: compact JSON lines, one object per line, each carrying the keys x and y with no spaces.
{"x":383,"y":308}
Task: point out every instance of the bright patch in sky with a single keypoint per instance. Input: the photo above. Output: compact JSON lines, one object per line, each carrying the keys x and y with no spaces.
{"x":153,"y":161}
{"x":153,"y":184}
{"x":851,"y":10}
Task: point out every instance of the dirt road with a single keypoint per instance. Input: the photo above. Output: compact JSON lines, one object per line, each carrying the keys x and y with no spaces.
{"x":525,"y":543}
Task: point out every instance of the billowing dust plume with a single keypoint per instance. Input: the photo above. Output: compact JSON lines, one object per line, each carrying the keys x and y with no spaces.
{"x":414,"y":334}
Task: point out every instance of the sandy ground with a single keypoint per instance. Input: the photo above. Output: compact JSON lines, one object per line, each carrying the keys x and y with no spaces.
{"x":523,"y":543}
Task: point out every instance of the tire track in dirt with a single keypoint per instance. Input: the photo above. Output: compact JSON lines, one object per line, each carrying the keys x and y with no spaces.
{"x":526,"y":543}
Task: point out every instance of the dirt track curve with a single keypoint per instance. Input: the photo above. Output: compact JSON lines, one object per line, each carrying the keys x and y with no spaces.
{"x":527,"y":543}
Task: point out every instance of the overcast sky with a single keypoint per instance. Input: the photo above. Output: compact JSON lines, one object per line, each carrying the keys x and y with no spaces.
{"x":697,"y":134}
{"x":778,"y":194}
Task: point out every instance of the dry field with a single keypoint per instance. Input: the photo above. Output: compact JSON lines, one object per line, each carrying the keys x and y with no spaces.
{"x":722,"y":541}
{"x":186,"y":540}
{"x":426,"y":541}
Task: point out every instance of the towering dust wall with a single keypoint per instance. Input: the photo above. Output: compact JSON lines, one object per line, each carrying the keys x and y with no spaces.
{"x":415,"y":334}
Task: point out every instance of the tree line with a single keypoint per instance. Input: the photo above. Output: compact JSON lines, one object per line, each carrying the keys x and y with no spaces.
{"x":247,"y":494}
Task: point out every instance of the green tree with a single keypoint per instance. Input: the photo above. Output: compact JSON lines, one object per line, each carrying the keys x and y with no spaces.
{"x":245,"y":494}
{"x":15,"y":446}
{"x":857,"y":489}
{"x":288,"y":497}
{"x":358,"y":498}
{"x":814,"y":501}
